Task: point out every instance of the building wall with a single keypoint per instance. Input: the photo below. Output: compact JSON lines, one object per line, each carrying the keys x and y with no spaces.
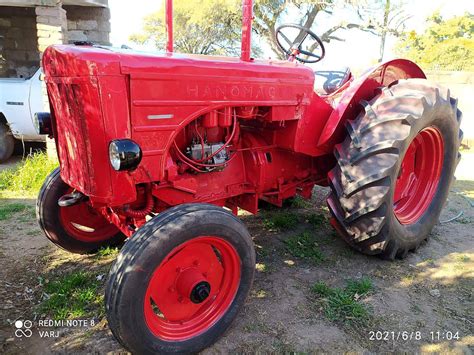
{"x":26,"y":31}
{"x":19,"y":55}
{"x":88,"y":24}
{"x":51,"y":25}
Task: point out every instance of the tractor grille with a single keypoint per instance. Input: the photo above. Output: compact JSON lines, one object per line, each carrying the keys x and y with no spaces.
{"x":73,"y":132}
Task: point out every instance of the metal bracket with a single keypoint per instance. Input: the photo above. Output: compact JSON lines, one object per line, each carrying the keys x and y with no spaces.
{"x":71,"y":199}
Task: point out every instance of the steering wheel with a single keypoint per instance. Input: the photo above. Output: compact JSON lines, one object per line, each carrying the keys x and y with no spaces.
{"x":294,"y":48}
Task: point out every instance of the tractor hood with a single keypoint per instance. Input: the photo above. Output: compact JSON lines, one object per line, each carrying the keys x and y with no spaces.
{"x":76,"y":61}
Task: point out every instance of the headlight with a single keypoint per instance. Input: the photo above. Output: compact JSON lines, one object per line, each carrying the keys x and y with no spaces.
{"x":42,"y":123}
{"x":124,"y":154}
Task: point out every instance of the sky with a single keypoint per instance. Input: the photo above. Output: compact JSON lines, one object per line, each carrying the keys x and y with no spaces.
{"x":362,"y":48}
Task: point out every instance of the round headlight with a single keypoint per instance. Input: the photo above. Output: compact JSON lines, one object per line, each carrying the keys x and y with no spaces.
{"x":114,"y":156}
{"x":124,"y":154}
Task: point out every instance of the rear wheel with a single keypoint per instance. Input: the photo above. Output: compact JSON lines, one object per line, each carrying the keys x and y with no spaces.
{"x":7,"y":143}
{"x":180,"y":281}
{"x":78,"y":228}
{"x":395,"y":168}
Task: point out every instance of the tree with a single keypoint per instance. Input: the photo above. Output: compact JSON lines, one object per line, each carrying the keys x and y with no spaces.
{"x":445,"y":44}
{"x":199,"y":26}
{"x":384,"y":17}
{"x":378,"y":17}
{"x":267,"y":13}
{"x":214,"y":26}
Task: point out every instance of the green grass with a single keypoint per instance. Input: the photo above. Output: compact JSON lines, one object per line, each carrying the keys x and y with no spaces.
{"x":6,"y":211}
{"x":29,"y":175}
{"x":108,"y":251}
{"x":463,"y":258}
{"x":304,"y":246}
{"x":73,"y":295}
{"x":280,"y":220}
{"x":359,"y":287}
{"x":343,"y":304}
{"x":464,"y":220}
{"x":316,"y":219}
{"x":321,"y":289}
{"x":300,"y":202}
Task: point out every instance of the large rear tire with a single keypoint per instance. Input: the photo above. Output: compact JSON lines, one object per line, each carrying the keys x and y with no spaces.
{"x":179,"y":282}
{"x":78,"y":228}
{"x":395,"y":168}
{"x":7,"y":143}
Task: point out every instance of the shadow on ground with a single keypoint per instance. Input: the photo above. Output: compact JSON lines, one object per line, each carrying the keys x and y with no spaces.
{"x":429,"y":291}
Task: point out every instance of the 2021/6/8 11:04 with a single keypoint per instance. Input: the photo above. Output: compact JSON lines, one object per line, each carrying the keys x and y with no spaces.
{"x":433,"y":336}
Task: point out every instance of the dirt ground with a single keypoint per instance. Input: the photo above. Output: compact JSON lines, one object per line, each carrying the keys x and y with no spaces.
{"x":430,"y":291}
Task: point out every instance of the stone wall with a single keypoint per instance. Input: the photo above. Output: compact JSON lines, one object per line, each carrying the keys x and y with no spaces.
{"x":26,"y":31}
{"x":19,"y":55}
{"x":88,"y":24}
{"x":51,"y":25}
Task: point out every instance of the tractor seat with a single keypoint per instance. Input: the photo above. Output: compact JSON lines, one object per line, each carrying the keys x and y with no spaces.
{"x":328,"y":81}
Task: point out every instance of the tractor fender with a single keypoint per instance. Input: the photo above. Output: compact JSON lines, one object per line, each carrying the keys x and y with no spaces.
{"x":364,"y":88}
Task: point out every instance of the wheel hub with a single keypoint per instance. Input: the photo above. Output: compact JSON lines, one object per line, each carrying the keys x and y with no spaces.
{"x":419,"y":176}
{"x":192,"y":288}
{"x":191,"y":284}
{"x":200,"y":292}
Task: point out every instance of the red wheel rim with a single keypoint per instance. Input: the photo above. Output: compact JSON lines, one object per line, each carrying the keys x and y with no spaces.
{"x":170,"y":312}
{"x":419,"y":176}
{"x":84,"y":223}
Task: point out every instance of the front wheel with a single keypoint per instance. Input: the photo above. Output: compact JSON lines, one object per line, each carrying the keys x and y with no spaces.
{"x":179,"y":282}
{"x":7,"y":143}
{"x":78,"y":228}
{"x":395,"y":168}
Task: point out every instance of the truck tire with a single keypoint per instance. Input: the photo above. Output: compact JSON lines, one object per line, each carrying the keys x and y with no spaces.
{"x":78,"y":228}
{"x":395,"y":168}
{"x":7,"y":143}
{"x":179,"y":282}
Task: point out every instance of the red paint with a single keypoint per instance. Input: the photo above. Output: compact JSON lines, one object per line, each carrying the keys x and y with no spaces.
{"x":247,"y":17}
{"x":364,"y":88}
{"x":279,"y":134}
{"x":84,"y":223}
{"x":419,"y":176}
{"x":169,"y":25}
{"x":185,"y":266}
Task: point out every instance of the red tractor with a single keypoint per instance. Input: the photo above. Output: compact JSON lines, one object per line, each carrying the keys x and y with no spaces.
{"x":152,"y":147}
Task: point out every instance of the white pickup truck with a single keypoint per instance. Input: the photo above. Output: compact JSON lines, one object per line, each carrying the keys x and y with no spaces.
{"x":20,"y":99}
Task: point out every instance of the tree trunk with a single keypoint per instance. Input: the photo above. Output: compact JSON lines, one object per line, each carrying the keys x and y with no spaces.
{"x":383,"y":34}
{"x":307,"y":24}
{"x":268,"y":30}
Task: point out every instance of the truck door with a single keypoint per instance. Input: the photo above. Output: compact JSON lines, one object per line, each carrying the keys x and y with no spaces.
{"x":37,"y":100}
